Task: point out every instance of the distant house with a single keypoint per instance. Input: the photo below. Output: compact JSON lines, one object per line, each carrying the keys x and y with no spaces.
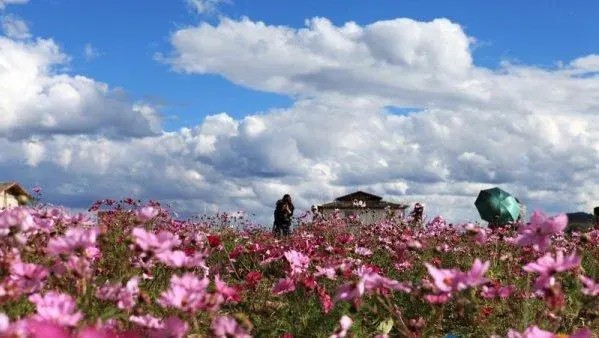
{"x":581,"y":221}
{"x":368,"y":207}
{"x":12,"y":195}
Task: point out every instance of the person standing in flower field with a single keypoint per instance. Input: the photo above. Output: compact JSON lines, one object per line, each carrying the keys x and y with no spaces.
{"x":316,"y":215}
{"x":283,"y":212}
{"x":417,"y":214}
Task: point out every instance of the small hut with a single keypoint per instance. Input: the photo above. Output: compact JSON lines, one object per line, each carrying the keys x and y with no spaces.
{"x":368,"y":207}
{"x":12,"y":195}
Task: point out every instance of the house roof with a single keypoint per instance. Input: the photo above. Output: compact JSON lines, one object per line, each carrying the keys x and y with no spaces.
{"x":359,"y":195}
{"x":5,"y":186}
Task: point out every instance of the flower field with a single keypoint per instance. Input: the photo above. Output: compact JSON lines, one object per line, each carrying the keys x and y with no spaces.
{"x":141,"y":273}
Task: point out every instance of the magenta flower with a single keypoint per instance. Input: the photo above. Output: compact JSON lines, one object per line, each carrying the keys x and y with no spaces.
{"x":172,"y":327}
{"x":449,"y":280}
{"x":475,"y":277}
{"x":362,"y":251}
{"x":74,"y":239}
{"x":446,"y":280}
{"x":17,"y":218}
{"x":438,"y":298}
{"x":148,"y":321}
{"x":227,"y":327}
{"x":374,"y":282}
{"x":126,"y":297}
{"x":45,"y":329}
{"x":4,"y":323}
{"x":178,"y":259}
{"x":27,"y":277}
{"x":56,"y":307}
{"x":350,"y":291}
{"x":498,"y":291}
{"x":224,"y":291}
{"x":535,"y":332}
{"x":538,"y":233}
{"x":186,"y":293}
{"x":150,"y":242}
{"x":298,"y":261}
{"x":284,"y":285}
{"x":96,"y":332}
{"x":548,"y":265}
{"x":146,"y":213}
{"x":345,"y":324}
{"x":327,"y":272}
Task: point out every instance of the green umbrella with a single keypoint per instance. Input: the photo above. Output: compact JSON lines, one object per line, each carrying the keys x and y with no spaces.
{"x":497,"y":206}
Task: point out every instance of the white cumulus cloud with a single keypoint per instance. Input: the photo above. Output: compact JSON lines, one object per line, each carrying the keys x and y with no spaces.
{"x":4,"y":3}
{"x":35,"y":99}
{"x":532,"y":131}
{"x":14,"y":27}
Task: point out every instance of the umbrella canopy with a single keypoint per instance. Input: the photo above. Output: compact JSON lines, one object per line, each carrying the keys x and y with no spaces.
{"x":496,"y":205}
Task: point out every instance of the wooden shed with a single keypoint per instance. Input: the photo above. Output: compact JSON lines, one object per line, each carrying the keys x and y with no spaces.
{"x":368,"y":207}
{"x":12,"y":195}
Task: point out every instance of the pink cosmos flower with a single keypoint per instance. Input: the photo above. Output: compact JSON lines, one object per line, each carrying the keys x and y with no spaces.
{"x":18,"y":218}
{"x":178,"y":259}
{"x":438,"y":298}
{"x":226,"y":292}
{"x":344,"y":324}
{"x":548,"y":265}
{"x":96,"y":332}
{"x":74,"y":239}
{"x":56,"y":307}
{"x":535,"y":332}
{"x":27,"y":277}
{"x":298,"y":261}
{"x":172,"y":327}
{"x":327,"y":272}
{"x":538,"y":233}
{"x":492,"y":292}
{"x":362,"y":251}
{"x":475,"y":277}
{"x":186,"y":293}
{"x":148,"y":321}
{"x":284,"y":285}
{"x":403,"y":266}
{"x":449,"y":280}
{"x":227,"y":327}
{"x":126,"y":296}
{"x":45,"y":329}
{"x":374,"y":282}
{"x":325,"y":300}
{"x":590,"y":287}
{"x":446,"y":280}
{"x":146,"y":213}
{"x":4,"y":323}
{"x":160,"y":242}
{"x":350,"y":291}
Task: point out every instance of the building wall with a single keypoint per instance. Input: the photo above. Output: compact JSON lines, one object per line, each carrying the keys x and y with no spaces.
{"x":366,"y":216}
{"x":8,"y":201}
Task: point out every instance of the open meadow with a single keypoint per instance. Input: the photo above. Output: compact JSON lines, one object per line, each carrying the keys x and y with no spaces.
{"x":142,"y":273}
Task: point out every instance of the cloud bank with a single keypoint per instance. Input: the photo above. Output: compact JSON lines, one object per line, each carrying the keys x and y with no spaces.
{"x":533,"y":131}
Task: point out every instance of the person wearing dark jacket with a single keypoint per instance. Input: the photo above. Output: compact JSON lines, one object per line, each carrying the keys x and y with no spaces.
{"x":283,"y":212}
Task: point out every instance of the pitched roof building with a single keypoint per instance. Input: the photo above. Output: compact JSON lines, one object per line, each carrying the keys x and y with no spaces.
{"x":12,"y":195}
{"x":368,"y":207}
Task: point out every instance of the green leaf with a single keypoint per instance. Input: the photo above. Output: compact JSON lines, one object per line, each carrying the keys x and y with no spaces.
{"x":385,"y":326}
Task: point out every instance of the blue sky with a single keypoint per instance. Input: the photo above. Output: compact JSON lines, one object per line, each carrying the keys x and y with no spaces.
{"x":416,"y":101}
{"x":129,"y":34}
